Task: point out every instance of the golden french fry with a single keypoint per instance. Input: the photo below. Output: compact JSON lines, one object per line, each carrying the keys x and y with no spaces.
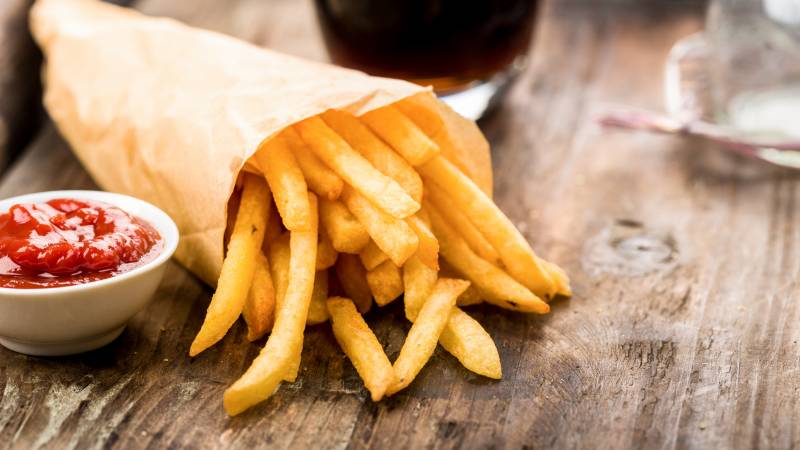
{"x":497,"y":287}
{"x":402,"y":134}
{"x":372,"y":256}
{"x":259,"y":308}
{"x":279,"y":254}
{"x":286,"y":182}
{"x":286,"y":341}
{"x":326,"y":254}
{"x":390,"y":234}
{"x":418,"y":282}
{"x":517,"y":256}
{"x":317,"y":311}
{"x":461,"y":222}
{"x":238,"y":267}
{"x":347,"y":234}
{"x":427,"y":119}
{"x":437,"y":121}
{"x":320,"y":178}
{"x":428,"y":250}
{"x":279,"y":258}
{"x":465,"y":338}
{"x":559,"y":276}
{"x":293,"y":369}
{"x":424,"y":333}
{"x":361,"y":346}
{"x":375,"y":151}
{"x":471,"y":296}
{"x":355,"y":170}
{"x":352,"y":277}
{"x":385,"y":283}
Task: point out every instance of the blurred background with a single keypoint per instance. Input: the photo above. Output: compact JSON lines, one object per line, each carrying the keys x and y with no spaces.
{"x":742,"y":71}
{"x":470,"y":51}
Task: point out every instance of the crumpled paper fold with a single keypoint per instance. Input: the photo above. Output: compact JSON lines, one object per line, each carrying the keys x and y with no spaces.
{"x":171,"y":114}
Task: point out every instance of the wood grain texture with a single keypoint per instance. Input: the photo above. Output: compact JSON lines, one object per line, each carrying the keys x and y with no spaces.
{"x":681,"y":334}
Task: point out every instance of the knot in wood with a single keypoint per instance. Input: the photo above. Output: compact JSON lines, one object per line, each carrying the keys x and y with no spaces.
{"x":628,"y":248}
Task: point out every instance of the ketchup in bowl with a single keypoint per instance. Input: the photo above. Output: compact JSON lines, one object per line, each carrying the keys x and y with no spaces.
{"x":64,"y":242}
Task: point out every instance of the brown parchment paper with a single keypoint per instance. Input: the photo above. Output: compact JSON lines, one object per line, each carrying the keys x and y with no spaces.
{"x":171,"y":114}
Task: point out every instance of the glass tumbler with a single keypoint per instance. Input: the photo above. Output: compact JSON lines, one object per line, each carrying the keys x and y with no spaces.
{"x":468,"y":50}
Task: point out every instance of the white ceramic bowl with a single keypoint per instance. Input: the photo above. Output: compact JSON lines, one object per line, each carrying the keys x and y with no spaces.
{"x":79,"y":318}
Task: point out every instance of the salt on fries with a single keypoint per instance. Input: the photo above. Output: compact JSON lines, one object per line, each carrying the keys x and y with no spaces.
{"x":364,"y":208}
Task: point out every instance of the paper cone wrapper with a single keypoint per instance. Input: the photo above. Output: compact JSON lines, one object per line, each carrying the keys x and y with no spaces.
{"x":172,"y":114}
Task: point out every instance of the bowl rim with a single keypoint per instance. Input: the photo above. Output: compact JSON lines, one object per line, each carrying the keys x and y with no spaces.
{"x":166,"y":227}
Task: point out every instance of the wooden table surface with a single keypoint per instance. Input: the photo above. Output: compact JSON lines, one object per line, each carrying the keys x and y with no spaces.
{"x":682,"y":332}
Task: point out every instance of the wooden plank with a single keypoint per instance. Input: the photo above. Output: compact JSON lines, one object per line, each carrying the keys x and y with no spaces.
{"x":19,"y":87}
{"x":682,"y":332}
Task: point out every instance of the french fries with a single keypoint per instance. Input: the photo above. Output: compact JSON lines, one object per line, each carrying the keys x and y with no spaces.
{"x":559,"y":277}
{"x":355,"y":170}
{"x":352,"y":277}
{"x":238,"y":267}
{"x":371,"y":201}
{"x":286,"y":341}
{"x":472,"y":296}
{"x":321,"y":180}
{"x":434,"y":121}
{"x":361,"y":346}
{"x":279,"y":257}
{"x":418,"y":282}
{"x":390,"y":234}
{"x":424,"y":334}
{"x":496,"y":286}
{"x":463,"y":337}
{"x":425,"y":118}
{"x":279,"y":253}
{"x":317,"y":311}
{"x":286,"y":182}
{"x":514,"y":251}
{"x":461,"y":222}
{"x":326,"y":254}
{"x":347,"y":234}
{"x":428,"y":249}
{"x":259,"y":308}
{"x":402,"y":134}
{"x":385,"y":283}
{"x":372,"y":256}
{"x":375,"y":151}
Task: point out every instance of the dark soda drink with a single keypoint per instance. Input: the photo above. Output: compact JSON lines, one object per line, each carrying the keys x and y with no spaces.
{"x":450,"y":44}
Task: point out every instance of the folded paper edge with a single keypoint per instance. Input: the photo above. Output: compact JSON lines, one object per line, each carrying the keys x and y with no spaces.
{"x":46,"y":30}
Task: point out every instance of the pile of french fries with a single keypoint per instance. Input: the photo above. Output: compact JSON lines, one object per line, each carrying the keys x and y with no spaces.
{"x":352,"y":210}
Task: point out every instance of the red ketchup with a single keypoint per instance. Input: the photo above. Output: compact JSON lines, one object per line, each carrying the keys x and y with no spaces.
{"x":65,"y":242}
